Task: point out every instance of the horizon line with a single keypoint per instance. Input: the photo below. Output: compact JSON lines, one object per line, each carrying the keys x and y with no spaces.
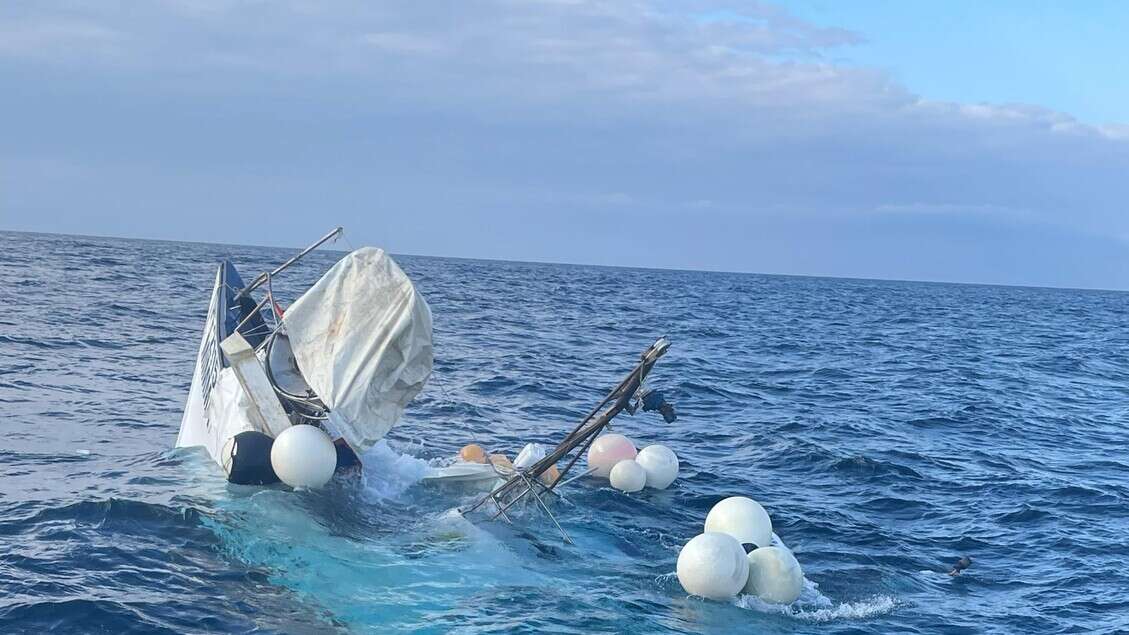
{"x":583,"y":264}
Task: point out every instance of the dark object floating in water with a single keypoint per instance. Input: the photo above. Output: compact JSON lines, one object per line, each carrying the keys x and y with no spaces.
{"x":962,"y":564}
{"x":652,"y":400}
{"x":246,"y":459}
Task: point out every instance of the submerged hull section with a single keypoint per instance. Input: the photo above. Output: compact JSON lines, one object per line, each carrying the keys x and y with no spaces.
{"x":217,"y":407}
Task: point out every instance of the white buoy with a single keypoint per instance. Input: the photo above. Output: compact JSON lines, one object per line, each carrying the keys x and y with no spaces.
{"x":774,"y":575}
{"x":743,"y":518}
{"x":628,"y":476}
{"x":661,"y":465}
{"x":303,"y":456}
{"x":608,"y":450}
{"x":713,"y":565}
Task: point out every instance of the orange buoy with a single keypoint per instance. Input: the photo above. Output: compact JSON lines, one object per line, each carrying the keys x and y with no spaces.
{"x":472,"y":453}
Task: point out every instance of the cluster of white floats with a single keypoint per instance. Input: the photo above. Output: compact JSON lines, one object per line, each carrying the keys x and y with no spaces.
{"x":714,"y":564}
{"x":614,"y":457}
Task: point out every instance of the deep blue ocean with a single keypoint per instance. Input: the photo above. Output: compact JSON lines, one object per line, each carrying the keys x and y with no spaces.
{"x":888,"y":428}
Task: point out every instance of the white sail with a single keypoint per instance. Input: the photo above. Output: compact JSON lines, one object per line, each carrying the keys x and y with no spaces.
{"x":362,"y":339}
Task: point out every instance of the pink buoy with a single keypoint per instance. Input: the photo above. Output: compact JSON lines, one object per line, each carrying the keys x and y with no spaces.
{"x":608,"y":450}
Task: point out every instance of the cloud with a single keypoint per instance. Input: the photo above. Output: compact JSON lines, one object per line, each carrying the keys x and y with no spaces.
{"x":950,"y":210}
{"x":583,"y":115}
{"x":403,"y":43}
{"x":57,"y":38}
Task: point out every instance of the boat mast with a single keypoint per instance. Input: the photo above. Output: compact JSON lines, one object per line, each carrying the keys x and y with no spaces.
{"x":263,"y":277}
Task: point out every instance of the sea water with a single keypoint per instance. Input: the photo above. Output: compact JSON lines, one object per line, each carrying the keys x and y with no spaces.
{"x":888,"y":428}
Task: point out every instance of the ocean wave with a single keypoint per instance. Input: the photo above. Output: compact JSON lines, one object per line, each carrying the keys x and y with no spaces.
{"x":813,"y":606}
{"x":888,"y":428}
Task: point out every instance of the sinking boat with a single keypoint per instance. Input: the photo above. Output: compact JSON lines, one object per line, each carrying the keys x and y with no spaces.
{"x":346,"y":357}
{"x":344,"y":360}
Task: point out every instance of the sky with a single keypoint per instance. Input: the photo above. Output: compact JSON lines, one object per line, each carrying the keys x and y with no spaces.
{"x":955,"y":141}
{"x":1064,"y":56}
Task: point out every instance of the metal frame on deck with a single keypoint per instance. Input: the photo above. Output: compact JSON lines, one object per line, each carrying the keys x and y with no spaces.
{"x":309,"y":406}
{"x":267,"y":275}
{"x":507,"y":494}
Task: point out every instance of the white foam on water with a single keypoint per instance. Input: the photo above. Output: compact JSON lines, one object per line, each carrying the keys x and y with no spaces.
{"x":387,"y":473}
{"x":369,"y":584}
{"x":399,"y":578}
{"x":814,"y":606}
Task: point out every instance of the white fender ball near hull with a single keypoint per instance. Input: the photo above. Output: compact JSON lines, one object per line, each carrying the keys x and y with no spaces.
{"x":303,"y":456}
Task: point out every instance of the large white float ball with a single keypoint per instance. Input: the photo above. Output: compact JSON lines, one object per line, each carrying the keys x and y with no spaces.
{"x":628,"y":476}
{"x":774,"y":575}
{"x":743,"y":518}
{"x":661,"y":465}
{"x":713,"y":565}
{"x":303,"y":456}
{"x":608,"y":450}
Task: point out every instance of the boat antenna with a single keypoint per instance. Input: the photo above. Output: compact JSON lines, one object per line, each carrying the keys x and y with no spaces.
{"x":265,"y":276}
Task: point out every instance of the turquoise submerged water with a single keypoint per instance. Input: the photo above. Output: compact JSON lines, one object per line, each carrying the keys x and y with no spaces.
{"x":888,"y":427}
